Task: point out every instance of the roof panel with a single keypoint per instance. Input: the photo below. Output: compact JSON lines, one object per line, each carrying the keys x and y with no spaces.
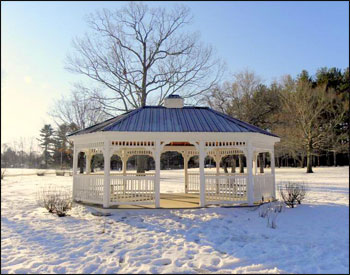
{"x":161,"y":119}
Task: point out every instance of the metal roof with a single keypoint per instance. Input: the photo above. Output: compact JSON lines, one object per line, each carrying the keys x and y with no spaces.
{"x":162,"y":119}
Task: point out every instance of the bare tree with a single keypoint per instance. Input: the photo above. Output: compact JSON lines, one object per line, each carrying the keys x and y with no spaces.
{"x":139,"y":55}
{"x":304,"y":107}
{"x":78,"y":108}
{"x":245,"y":98}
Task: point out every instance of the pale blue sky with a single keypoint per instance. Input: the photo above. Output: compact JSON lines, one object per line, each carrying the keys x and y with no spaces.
{"x":271,"y":38}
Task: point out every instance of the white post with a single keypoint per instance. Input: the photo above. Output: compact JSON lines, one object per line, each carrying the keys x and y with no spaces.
{"x":201,"y":174}
{"x":157,"y":177}
{"x":217,"y":160}
{"x":88,"y":162}
{"x":255,"y":162}
{"x":124,"y":163}
{"x":250,"y":174}
{"x":107,"y":169}
{"x":272,"y":156}
{"x":75,"y":160}
{"x":186,"y":171}
{"x":75,"y":168}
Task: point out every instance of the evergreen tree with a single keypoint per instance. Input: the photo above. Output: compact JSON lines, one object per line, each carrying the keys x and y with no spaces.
{"x":47,"y":142}
{"x":61,"y":145}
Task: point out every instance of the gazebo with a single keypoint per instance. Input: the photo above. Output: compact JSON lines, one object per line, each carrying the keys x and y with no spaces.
{"x":191,"y":131}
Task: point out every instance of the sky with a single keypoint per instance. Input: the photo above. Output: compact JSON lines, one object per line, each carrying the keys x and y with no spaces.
{"x":270,"y":38}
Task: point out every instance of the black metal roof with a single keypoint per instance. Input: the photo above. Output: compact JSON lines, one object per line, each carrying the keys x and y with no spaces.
{"x":162,"y":119}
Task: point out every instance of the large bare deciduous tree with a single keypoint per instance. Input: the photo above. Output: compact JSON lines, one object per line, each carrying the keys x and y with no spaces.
{"x":305,"y":107}
{"x":140,"y":55}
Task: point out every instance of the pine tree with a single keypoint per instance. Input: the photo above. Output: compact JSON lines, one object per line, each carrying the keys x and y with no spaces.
{"x":47,"y":143}
{"x":61,"y":144}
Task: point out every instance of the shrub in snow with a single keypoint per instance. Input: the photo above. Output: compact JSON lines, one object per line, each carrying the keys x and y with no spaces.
{"x":263,"y":209}
{"x":272,"y":218}
{"x":40,"y":173}
{"x":59,"y":173}
{"x":292,"y":193}
{"x":270,"y":211}
{"x":55,"y":200}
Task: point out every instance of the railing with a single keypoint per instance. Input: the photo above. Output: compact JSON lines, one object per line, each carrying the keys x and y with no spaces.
{"x":226,"y":188}
{"x":193,"y":182}
{"x":136,"y":189}
{"x":118,"y":173}
{"x":263,"y":187}
{"x":88,"y":188}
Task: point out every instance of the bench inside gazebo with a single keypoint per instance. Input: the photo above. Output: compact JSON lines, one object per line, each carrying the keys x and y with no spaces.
{"x":191,"y":131}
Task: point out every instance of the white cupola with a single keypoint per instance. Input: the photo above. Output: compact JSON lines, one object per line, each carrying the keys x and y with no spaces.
{"x":174,"y":101}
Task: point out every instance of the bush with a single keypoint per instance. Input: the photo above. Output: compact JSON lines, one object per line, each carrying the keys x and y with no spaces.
{"x":59,"y":173}
{"x":292,"y":193}
{"x":40,"y":173}
{"x":58,"y":201}
{"x":271,"y":211}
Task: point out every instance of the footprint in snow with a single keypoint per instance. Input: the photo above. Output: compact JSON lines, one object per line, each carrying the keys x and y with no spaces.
{"x":164,"y":261}
{"x":128,"y":239}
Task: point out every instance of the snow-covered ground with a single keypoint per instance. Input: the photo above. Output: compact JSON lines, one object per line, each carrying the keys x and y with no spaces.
{"x":312,"y":238}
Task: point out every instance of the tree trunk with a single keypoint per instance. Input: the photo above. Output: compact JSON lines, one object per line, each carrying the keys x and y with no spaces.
{"x":241,"y":167}
{"x":81,"y":166}
{"x":309,"y":158}
{"x":328,"y":159}
{"x":318,"y":161}
{"x":335,"y":158}
{"x":261,"y":162}
{"x":45,"y":155}
{"x":92,"y":164}
{"x":233,"y":169}
{"x":141,"y":161}
{"x":225,"y":166}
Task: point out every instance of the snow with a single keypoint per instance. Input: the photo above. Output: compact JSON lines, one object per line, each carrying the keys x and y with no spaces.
{"x":312,"y":238}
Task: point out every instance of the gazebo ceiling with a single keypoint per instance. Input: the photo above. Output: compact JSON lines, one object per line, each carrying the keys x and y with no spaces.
{"x":162,"y":119}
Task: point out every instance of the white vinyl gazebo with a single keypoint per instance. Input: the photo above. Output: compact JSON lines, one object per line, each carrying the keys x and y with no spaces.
{"x":191,"y":131}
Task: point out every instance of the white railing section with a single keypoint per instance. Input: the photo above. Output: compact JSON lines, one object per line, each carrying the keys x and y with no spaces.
{"x":193,"y":182}
{"x":263,"y":187}
{"x":136,"y":189}
{"x":226,"y":188}
{"x":88,"y":188}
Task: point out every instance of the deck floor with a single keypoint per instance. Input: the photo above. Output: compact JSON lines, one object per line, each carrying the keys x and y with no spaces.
{"x":168,"y":200}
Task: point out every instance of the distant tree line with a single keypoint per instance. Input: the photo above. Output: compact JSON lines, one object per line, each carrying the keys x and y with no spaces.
{"x":56,"y":151}
{"x":20,"y":154}
{"x":309,"y":113}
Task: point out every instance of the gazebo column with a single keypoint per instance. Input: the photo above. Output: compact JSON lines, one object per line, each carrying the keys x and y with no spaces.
{"x":124,"y":164}
{"x":107,"y":169}
{"x":201,"y":174}
{"x":272,"y":157}
{"x":255,"y":163}
{"x":250,"y":184}
{"x":185,"y":157}
{"x":75,"y":160}
{"x":75,"y":168}
{"x":88,"y":162}
{"x":217,"y":161}
{"x":157,"y":176}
